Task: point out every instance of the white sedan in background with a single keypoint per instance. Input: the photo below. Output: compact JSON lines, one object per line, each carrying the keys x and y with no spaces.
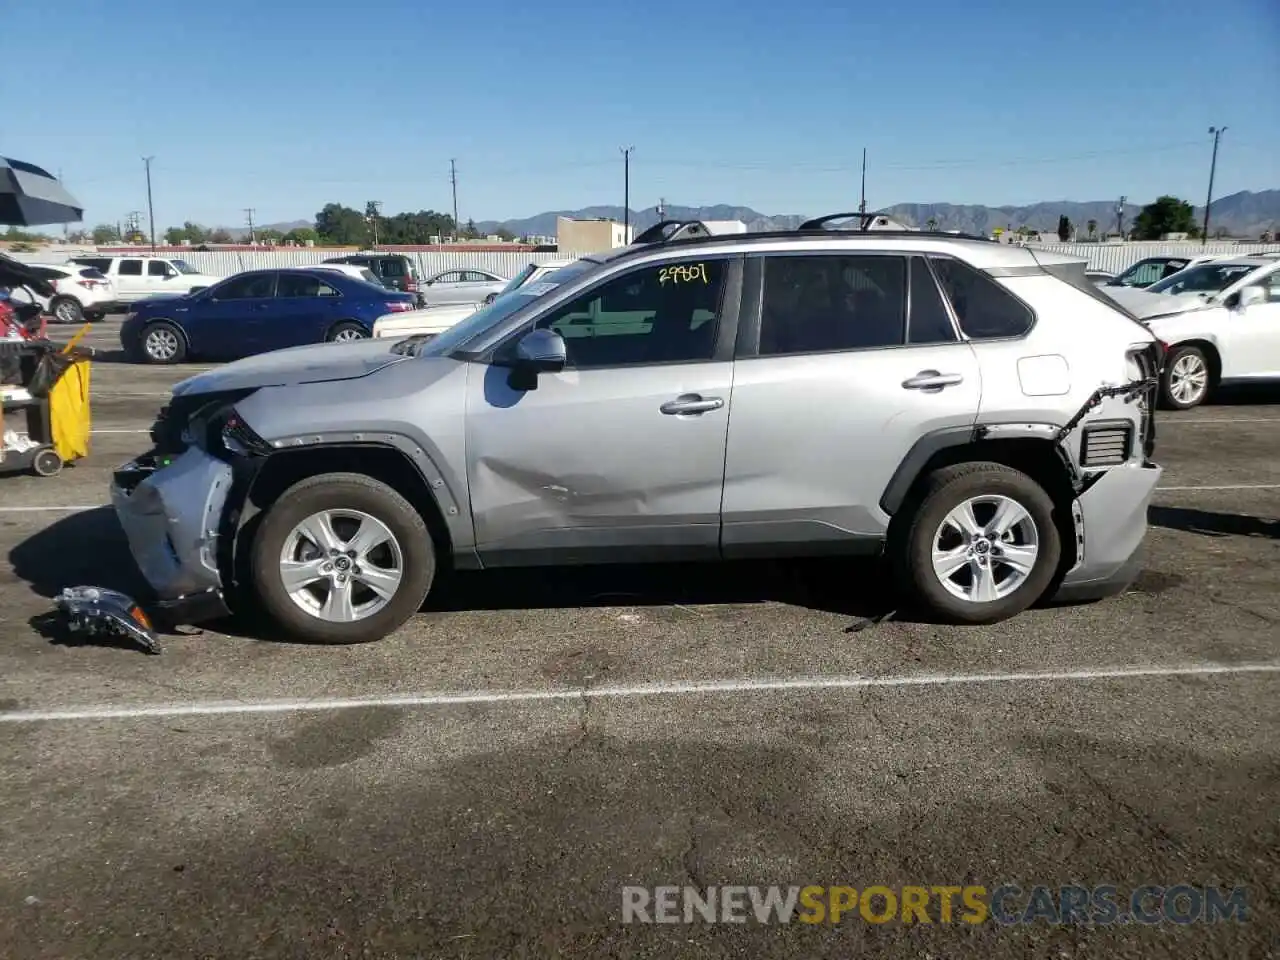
{"x":431,"y":321}
{"x":1219,"y":322}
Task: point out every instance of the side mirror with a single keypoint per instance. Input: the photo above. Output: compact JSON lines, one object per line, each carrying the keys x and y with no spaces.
{"x":1248,"y":297}
{"x":537,"y":352}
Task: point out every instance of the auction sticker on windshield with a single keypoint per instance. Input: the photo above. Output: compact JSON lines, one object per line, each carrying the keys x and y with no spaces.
{"x":538,"y":289}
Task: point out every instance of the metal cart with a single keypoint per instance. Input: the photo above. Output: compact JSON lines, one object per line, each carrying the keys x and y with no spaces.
{"x":26,"y":430}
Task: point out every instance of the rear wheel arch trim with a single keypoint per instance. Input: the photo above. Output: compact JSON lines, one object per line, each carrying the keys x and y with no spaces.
{"x":935,"y":441}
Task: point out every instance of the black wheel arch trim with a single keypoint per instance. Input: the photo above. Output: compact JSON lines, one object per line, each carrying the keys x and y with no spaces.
{"x":935,"y":441}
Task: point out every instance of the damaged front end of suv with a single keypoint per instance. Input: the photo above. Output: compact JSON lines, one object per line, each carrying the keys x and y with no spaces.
{"x":180,"y":504}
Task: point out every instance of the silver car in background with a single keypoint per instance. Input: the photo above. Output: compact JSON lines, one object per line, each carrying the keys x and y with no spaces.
{"x":468,"y":285}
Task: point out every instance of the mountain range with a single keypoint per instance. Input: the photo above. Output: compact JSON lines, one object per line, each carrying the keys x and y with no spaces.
{"x":1245,"y":215}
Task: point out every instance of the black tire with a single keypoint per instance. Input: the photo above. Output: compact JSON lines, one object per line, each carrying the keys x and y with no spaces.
{"x":66,"y":310}
{"x":1186,"y":355}
{"x":346,"y":330}
{"x":143,"y":348}
{"x":96,"y":315}
{"x":47,"y":463}
{"x":911,"y":549}
{"x":339,"y":491}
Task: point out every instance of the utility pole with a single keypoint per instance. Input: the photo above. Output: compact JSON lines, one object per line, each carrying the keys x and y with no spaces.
{"x":453,"y":180}
{"x":151,"y":213}
{"x":1120,"y":217}
{"x":372,"y":209}
{"x":626,"y":192}
{"x":862,"y":205}
{"x":253,"y":237}
{"x":662,"y":208}
{"x":1213,"y":167}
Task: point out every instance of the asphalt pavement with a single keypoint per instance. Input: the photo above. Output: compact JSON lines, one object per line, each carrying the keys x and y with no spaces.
{"x":485,"y":782}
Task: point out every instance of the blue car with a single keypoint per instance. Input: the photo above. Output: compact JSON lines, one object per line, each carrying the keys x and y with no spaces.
{"x":255,"y":312}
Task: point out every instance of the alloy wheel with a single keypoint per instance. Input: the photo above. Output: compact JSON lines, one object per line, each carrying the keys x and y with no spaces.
{"x":985,"y":548}
{"x":1188,"y":379}
{"x":161,"y":344}
{"x":341,"y":565}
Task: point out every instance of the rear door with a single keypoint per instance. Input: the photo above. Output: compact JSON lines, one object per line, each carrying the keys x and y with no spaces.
{"x":846,"y":360}
{"x":130,"y":278}
{"x":303,"y":311}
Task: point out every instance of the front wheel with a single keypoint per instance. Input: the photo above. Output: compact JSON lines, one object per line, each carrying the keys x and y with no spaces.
{"x":982,"y":545}
{"x":162,"y":342}
{"x":1184,"y":382}
{"x":342,"y":558}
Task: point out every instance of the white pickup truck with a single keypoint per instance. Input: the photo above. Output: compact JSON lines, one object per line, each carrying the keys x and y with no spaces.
{"x":138,"y":277}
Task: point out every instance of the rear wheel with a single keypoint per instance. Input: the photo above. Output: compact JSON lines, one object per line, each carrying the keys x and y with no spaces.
{"x":982,"y":545}
{"x":342,"y":558}
{"x":66,"y":310}
{"x":1185,"y":381}
{"x":346,"y":331}
{"x":162,"y":342}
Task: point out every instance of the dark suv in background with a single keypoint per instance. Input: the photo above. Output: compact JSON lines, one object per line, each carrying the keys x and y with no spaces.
{"x":395,"y":270}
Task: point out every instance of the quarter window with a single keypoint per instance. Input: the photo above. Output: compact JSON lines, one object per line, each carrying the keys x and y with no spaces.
{"x":664,"y":313}
{"x":986,"y":310}
{"x":817,"y":304}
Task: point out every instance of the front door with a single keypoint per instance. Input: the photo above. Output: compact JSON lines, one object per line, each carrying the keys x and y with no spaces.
{"x":830,"y":402}
{"x":620,"y":456}
{"x":1250,"y":337}
{"x":229,"y":320}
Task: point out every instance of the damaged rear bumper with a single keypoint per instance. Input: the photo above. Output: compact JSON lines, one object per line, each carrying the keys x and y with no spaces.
{"x":1111,"y":524}
{"x":172,"y":512}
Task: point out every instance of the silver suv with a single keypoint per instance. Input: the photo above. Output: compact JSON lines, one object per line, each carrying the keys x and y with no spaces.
{"x":978,"y":412}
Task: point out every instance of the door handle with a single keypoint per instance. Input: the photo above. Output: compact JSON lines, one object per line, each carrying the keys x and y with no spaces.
{"x":932,"y":380}
{"x":691,"y":403}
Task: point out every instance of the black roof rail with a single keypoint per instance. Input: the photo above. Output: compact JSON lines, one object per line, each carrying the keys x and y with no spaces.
{"x":668,"y":230}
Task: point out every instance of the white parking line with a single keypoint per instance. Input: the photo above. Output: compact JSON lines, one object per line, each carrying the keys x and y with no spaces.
{"x":1210,"y":421}
{"x":76,"y":508}
{"x":1222,"y":486}
{"x":621,"y":692}
{"x":97,"y":432}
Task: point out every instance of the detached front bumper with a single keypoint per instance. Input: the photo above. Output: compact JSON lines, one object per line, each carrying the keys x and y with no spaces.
{"x":1111,"y":524}
{"x":172,"y":512}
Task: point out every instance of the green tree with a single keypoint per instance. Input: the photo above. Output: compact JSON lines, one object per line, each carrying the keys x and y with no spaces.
{"x":301,"y":236}
{"x":174,"y":236}
{"x":1064,"y":228}
{"x":1166,"y":215}
{"x":105,"y":233}
{"x":342,"y":226}
{"x":931,"y":224}
{"x":268,"y":236}
{"x":469,"y":232}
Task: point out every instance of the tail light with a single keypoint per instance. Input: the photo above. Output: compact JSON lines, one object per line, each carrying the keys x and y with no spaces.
{"x":411,"y":286}
{"x":398,"y":306}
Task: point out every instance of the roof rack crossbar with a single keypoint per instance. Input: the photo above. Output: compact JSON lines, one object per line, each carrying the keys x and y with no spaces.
{"x":821,"y":223}
{"x":667,"y":230}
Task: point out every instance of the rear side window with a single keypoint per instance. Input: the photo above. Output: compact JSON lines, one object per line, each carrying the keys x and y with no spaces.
{"x":89,"y":273}
{"x":302,"y":285}
{"x":929,"y":321}
{"x":820,"y":304}
{"x":985,"y":309}
{"x":130,"y":268}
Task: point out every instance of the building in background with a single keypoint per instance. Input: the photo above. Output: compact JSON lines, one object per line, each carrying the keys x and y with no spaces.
{"x":585,"y":236}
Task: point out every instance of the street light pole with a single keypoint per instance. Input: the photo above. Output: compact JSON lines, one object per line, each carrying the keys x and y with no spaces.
{"x":1213,"y":167}
{"x":151,"y":213}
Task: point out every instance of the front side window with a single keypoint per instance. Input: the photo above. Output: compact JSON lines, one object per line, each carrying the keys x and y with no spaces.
{"x":985,"y":309}
{"x":817,"y":303}
{"x":157,"y":268}
{"x":250,"y":286}
{"x":661,"y":313}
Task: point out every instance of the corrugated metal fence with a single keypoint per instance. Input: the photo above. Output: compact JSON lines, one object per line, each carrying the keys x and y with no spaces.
{"x":222,"y":263}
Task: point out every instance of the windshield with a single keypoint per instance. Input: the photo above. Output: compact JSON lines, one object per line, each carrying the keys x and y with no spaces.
{"x":504,"y":306}
{"x":183,"y":267}
{"x":1146,"y":272}
{"x":1206,"y":278}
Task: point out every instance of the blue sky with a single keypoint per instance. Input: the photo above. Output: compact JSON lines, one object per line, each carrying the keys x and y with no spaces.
{"x":284,"y":105}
